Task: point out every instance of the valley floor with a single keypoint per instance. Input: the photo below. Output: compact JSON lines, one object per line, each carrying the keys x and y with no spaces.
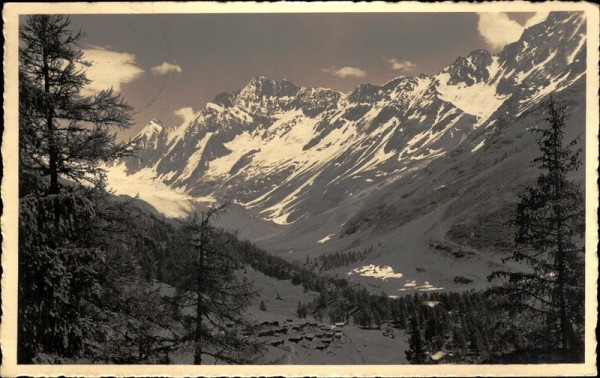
{"x":309,"y":341}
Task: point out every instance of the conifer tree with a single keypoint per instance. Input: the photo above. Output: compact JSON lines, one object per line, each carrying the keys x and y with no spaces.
{"x":416,"y":353}
{"x":69,"y":133}
{"x":549,"y":241}
{"x":62,"y":135}
{"x":219,"y":296}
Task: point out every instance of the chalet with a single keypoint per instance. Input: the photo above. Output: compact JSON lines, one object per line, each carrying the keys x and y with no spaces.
{"x":431,"y":304}
{"x":340,"y":324}
{"x":442,"y":357}
{"x":338,"y":335}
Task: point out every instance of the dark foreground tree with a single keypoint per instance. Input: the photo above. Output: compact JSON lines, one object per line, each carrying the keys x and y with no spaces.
{"x":67,"y":134}
{"x":416,"y":353}
{"x":549,"y":291}
{"x":62,"y":135}
{"x":210,"y":289}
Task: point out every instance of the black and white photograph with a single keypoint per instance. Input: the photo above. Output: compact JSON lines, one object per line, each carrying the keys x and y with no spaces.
{"x":341,"y":188}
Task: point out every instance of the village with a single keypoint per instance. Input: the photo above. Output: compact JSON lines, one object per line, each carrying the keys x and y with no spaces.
{"x":308,"y":334}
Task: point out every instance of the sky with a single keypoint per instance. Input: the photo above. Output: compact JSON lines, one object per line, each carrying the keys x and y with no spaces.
{"x":169,"y":66}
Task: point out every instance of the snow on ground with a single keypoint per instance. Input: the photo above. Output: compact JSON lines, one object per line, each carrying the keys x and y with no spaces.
{"x":171,"y":202}
{"x":478,"y":146}
{"x":382,"y":272}
{"x":194,"y":159}
{"x":426,"y":286}
{"x":326,"y":238}
{"x":480,"y":99}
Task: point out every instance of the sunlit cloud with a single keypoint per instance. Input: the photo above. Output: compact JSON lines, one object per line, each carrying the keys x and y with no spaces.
{"x":186,"y":114}
{"x":401,"y":65}
{"x":165,"y":68}
{"x":498,"y":30}
{"x":109,"y":69}
{"x":345,"y":72}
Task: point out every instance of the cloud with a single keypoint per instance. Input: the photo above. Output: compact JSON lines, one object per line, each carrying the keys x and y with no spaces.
{"x":345,"y":72}
{"x":186,"y":114}
{"x":498,"y":30}
{"x":401,"y":65}
{"x":109,"y":69}
{"x":165,"y":68}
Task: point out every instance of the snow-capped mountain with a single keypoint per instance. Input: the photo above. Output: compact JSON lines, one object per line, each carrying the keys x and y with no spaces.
{"x":286,"y":152}
{"x":421,"y":170}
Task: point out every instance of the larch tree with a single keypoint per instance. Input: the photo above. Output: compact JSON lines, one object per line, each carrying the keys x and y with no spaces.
{"x":210,"y":290}
{"x":63,"y":136}
{"x":69,"y":133}
{"x":550,"y":223}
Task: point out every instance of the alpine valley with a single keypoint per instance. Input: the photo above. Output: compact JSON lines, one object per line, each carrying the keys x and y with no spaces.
{"x":419,"y":174}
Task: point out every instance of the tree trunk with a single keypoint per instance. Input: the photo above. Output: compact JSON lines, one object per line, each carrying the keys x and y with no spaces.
{"x":199,"y":309}
{"x":560,"y":257}
{"x":52,"y":148}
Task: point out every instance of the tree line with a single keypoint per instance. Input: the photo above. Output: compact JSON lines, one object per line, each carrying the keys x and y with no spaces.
{"x":340,"y":258}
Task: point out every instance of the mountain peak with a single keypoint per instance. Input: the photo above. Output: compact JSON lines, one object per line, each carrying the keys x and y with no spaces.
{"x":154,"y":127}
{"x":262,"y":86}
{"x":365,"y":93}
{"x":259,"y":79}
{"x":225,"y":99}
{"x":480,"y":54}
{"x":470,"y":69}
{"x":157,"y":122}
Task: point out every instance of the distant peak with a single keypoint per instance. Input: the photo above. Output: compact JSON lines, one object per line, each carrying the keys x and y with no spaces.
{"x":157,"y":122}
{"x":153,"y":127}
{"x":263,"y":86}
{"x":480,"y":52}
{"x":225,"y":99}
{"x":259,"y":79}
